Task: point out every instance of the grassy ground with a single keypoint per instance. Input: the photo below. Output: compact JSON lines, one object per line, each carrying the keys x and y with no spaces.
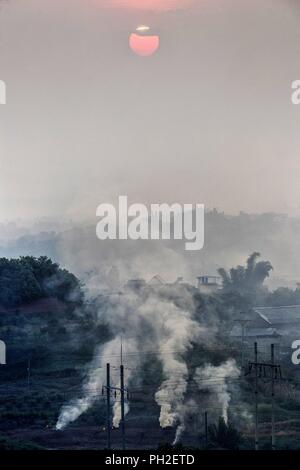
{"x":59,"y":352}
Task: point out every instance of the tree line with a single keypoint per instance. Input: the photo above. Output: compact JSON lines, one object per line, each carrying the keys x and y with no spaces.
{"x":27,"y":278}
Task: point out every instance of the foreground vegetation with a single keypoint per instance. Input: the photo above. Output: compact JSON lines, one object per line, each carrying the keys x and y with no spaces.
{"x":49,"y":353}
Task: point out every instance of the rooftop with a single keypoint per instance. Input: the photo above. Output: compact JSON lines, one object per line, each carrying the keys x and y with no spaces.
{"x":279,"y":315}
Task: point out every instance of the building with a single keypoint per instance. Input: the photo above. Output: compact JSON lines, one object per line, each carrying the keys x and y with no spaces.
{"x":286,"y":320}
{"x":268,"y":325}
{"x":209,"y":284}
{"x":156,"y":281}
{"x":263,"y":336}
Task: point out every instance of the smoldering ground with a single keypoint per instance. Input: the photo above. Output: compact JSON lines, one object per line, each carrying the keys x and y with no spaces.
{"x":162,"y":323}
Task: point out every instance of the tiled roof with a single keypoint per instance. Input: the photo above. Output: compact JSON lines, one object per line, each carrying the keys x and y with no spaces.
{"x":280,"y":315}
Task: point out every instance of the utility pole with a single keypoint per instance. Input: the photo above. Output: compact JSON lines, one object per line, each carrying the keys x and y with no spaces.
{"x":273,"y":396}
{"x":256,"y":397}
{"x":121,"y":352}
{"x":122,"y":390}
{"x":243,"y":322}
{"x":275,"y":371}
{"x":108,"y":424}
{"x":122,"y":405}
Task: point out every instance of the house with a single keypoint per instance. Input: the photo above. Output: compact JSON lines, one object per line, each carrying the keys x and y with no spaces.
{"x":156,"y":281}
{"x":249,"y":334}
{"x":209,"y":284}
{"x":286,"y":320}
{"x":266,"y":326}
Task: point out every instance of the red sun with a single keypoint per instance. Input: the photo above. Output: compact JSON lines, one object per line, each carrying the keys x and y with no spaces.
{"x":143,"y":43}
{"x":152,"y":5}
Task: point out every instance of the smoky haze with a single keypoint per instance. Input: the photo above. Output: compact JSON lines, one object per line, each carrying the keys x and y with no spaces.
{"x":207,"y":119}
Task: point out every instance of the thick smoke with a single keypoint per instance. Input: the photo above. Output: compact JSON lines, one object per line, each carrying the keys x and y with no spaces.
{"x":146,"y":323}
{"x":160,"y":321}
{"x":177,"y":331}
{"x":214,"y":379}
{"x":92,"y":388}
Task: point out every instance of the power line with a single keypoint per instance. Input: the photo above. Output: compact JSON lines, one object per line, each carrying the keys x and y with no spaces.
{"x":259,"y":368}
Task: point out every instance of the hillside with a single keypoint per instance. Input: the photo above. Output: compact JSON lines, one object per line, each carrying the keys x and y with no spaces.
{"x":228,"y":240}
{"x":178,"y":356}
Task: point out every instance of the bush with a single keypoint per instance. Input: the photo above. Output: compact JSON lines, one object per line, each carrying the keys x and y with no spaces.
{"x":225,"y":435}
{"x":27,"y":279}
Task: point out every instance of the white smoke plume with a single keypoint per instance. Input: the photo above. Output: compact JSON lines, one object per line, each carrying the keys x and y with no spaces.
{"x":117,"y":413}
{"x":188,"y":410}
{"x":92,"y":388}
{"x":178,"y":330}
{"x":214,"y":379}
{"x":179,"y":431}
{"x":148,"y":322}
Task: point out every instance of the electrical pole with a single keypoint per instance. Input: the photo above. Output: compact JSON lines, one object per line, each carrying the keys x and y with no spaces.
{"x":273,"y":396}
{"x":275,"y":370}
{"x":121,"y":351}
{"x":122,"y":405}
{"x":116,"y":390}
{"x":256,"y":397}
{"x":243,"y":322}
{"x":108,"y":424}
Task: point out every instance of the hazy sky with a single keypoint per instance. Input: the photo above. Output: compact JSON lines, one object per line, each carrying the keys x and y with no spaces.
{"x":207,"y":119}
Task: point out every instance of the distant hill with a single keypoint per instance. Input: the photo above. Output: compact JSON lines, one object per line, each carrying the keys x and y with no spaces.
{"x":228,"y":241}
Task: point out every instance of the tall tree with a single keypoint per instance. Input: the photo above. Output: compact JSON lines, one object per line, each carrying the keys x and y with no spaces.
{"x":247,"y":279}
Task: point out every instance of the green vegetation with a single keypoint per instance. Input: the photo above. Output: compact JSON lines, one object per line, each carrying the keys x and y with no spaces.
{"x":247,"y":280}
{"x":224,"y":435}
{"x":60,"y":345}
{"x":27,"y":279}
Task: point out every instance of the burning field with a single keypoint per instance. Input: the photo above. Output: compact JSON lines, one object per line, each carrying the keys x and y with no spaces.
{"x":160,"y":325}
{"x":183,"y":381}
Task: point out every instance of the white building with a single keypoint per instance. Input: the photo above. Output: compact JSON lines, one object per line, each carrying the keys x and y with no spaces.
{"x":209,"y":284}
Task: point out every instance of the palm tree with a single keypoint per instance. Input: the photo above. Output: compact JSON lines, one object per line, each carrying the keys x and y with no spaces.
{"x":246,"y":279}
